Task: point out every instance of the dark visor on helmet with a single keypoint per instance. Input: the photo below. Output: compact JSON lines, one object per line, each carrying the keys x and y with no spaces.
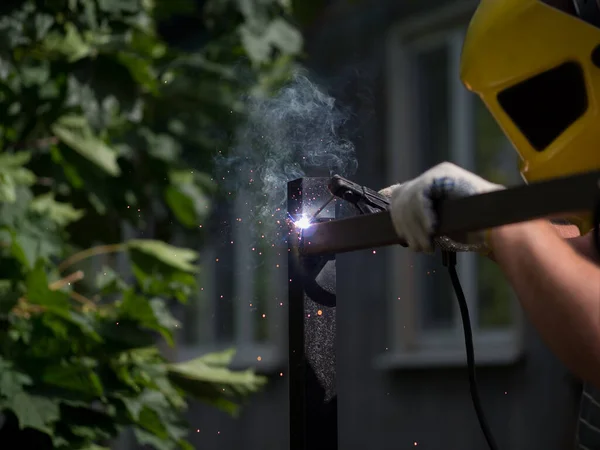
{"x":544,"y":106}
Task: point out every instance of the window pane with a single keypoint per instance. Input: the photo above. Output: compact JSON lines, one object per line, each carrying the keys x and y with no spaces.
{"x":433,"y":93}
{"x":495,"y":160}
{"x":431,"y":79}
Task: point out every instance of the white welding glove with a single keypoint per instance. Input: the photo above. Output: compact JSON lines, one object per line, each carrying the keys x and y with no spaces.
{"x":412,"y":210}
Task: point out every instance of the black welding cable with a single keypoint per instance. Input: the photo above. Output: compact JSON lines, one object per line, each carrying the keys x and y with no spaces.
{"x":449,"y":259}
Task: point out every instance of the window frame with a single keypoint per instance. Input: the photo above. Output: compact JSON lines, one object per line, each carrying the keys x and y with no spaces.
{"x":409,"y":345}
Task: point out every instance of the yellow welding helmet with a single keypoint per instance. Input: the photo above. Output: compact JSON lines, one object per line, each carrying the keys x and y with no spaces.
{"x":536,"y":65}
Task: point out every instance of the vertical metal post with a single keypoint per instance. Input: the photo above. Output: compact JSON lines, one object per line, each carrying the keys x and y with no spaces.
{"x":312,"y":313}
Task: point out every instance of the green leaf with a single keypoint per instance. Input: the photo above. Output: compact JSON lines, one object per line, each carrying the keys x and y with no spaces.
{"x":152,"y":314}
{"x":39,"y":293}
{"x":33,"y":411}
{"x":14,"y":160}
{"x":36,"y":75}
{"x":12,"y":382}
{"x":260,"y":42}
{"x":218,"y":359}
{"x":186,"y":198}
{"x":12,"y":215}
{"x":60,"y":213}
{"x":135,"y":404}
{"x":185,"y":445}
{"x":109,"y":282}
{"x":144,"y":437}
{"x":208,"y":379}
{"x":175,"y":257}
{"x":201,"y":371}
{"x":162,"y":146}
{"x":35,"y":240}
{"x":90,"y":423}
{"x":187,"y":203}
{"x":70,"y":44}
{"x":73,"y":377}
{"x":76,"y":133}
{"x":13,"y":174}
{"x":140,"y":70}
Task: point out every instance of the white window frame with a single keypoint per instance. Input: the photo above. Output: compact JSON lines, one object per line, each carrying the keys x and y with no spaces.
{"x":273,"y":350}
{"x":410,"y":346}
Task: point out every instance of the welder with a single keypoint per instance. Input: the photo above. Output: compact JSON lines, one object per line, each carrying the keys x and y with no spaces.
{"x":536,"y":66}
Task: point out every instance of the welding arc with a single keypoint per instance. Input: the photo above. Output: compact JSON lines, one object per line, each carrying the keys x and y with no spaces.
{"x":450,"y":261}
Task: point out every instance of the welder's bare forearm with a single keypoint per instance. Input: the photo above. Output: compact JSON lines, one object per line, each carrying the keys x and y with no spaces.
{"x":571,"y":234}
{"x":558,"y":288}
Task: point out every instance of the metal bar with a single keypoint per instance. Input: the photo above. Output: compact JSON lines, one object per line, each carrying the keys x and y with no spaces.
{"x":559,"y":196}
{"x":311,"y":339}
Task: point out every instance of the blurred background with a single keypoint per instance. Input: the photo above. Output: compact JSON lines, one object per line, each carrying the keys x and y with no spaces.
{"x":145,"y":115}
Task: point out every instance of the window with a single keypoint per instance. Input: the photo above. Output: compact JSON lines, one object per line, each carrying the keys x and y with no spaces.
{"x":434,"y":118}
{"x":242,"y":293}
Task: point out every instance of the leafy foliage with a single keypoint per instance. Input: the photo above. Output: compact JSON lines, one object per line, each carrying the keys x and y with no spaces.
{"x":105,"y":123}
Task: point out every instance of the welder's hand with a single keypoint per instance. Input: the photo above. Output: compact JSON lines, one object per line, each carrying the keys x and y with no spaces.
{"x":412,"y":211}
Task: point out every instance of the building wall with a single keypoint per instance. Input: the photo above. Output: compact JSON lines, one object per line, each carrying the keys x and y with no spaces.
{"x":530,"y":404}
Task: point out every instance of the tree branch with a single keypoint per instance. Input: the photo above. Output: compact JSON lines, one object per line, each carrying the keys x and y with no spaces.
{"x":94,"y":251}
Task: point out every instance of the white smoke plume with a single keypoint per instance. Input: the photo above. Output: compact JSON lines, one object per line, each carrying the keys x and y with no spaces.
{"x":295,"y":133}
